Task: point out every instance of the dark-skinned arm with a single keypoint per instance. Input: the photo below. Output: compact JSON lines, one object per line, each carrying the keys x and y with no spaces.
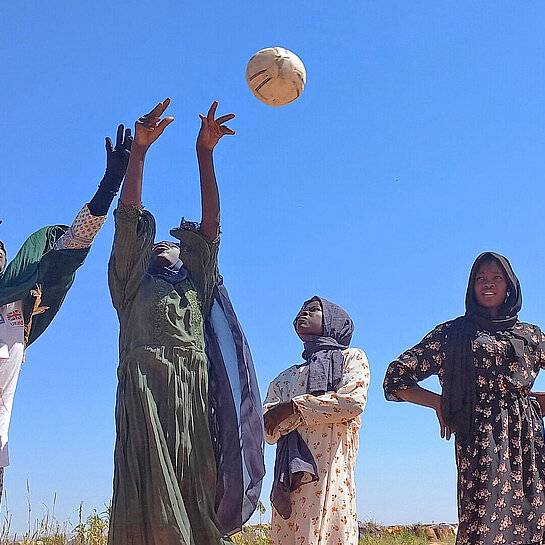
{"x":147,"y":129}
{"x":426,"y":398}
{"x":209,"y":135}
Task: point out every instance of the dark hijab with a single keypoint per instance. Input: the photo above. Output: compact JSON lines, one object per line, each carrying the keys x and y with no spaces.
{"x":171,"y":273}
{"x":459,"y":396}
{"x":324,"y":352}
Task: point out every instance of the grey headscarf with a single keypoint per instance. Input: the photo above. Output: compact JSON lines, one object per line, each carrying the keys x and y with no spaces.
{"x":324,"y":352}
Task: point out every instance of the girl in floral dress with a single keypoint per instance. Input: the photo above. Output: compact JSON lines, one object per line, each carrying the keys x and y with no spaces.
{"x":318,"y":405}
{"x":486,"y":362}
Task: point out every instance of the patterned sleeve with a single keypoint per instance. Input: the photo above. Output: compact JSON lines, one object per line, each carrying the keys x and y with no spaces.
{"x":133,"y":240}
{"x":274,"y":397}
{"x":540,"y":347}
{"x":200,"y":258}
{"x":344,"y":404}
{"x":417,"y":363}
{"x":82,"y":232}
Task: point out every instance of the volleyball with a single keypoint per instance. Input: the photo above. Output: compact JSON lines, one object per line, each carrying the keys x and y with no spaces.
{"x":276,"y":76}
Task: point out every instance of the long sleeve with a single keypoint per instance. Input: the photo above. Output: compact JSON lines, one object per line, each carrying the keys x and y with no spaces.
{"x":200,"y":258}
{"x":416,"y":364}
{"x":347,"y":402}
{"x":274,"y":397}
{"x":133,"y":240}
{"x":82,"y":232}
{"x":540,"y":338}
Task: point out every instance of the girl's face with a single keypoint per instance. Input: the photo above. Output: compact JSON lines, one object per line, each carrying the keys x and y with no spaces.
{"x":310,"y":320}
{"x":165,"y":253}
{"x":490,"y":286}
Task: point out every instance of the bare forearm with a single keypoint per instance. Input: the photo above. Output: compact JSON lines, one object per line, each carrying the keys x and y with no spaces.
{"x":420,"y":396}
{"x":210,"y":201}
{"x":131,"y":193}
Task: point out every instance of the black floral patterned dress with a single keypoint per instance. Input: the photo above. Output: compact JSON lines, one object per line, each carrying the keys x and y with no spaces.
{"x":501,"y":473}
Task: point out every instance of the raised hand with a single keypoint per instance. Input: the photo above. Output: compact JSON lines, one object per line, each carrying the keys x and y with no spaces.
{"x":117,"y":158}
{"x":150,"y":126}
{"x":213,"y":129}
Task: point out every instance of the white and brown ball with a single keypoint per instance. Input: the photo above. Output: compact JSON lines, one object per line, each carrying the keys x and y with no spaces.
{"x":276,"y":76}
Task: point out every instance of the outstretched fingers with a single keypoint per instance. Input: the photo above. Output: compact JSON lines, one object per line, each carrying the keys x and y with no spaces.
{"x":226,"y":130}
{"x":119,"y":137}
{"x":164,"y":124}
{"x":224,"y":118}
{"x":127,"y":141}
{"x":159,"y":109}
{"x":212,"y":111}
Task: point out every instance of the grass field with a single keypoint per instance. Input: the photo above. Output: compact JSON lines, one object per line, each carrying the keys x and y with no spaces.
{"x":93,"y":530}
{"x":259,"y":536}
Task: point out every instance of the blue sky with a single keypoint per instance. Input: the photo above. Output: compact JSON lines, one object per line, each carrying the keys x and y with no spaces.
{"x":417,"y":143}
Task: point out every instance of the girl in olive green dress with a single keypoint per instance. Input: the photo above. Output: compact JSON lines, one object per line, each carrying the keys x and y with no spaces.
{"x":165,"y":470}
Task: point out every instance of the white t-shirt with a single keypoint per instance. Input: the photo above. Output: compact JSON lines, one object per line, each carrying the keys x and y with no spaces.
{"x":12,"y":339}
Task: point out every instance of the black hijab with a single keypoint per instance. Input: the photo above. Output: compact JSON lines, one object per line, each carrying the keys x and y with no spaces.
{"x":172,"y":273}
{"x":324,"y":352}
{"x":459,"y":396}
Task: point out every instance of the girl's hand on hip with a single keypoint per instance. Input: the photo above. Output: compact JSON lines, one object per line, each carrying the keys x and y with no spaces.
{"x":445,"y":431}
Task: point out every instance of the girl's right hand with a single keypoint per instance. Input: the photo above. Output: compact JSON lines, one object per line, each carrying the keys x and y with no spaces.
{"x":276,"y":415}
{"x":150,"y":126}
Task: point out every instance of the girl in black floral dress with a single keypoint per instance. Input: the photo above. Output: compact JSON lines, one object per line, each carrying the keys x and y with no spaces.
{"x":486,"y":362}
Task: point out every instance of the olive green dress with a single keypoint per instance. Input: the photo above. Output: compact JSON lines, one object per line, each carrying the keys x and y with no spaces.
{"x":165,"y":470}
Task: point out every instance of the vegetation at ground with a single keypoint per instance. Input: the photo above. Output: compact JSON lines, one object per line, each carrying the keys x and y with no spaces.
{"x":259,"y":535}
{"x":93,"y":530}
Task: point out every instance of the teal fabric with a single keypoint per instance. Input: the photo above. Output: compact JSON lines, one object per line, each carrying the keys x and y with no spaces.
{"x":37,"y":263}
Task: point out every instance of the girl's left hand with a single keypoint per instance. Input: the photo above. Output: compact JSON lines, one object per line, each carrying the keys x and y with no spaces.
{"x":213,"y":129}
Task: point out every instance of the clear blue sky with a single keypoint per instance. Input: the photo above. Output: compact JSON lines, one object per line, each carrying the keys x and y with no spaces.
{"x":417,"y":144}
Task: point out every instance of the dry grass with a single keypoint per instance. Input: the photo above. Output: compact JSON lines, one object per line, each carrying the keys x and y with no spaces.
{"x":93,"y":530}
{"x":259,"y":535}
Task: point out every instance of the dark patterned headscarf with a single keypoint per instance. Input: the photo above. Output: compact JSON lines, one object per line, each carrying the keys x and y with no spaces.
{"x":324,"y":352}
{"x":459,"y":397}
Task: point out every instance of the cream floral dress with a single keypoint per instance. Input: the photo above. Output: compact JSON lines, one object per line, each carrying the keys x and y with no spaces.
{"x":323,"y":512}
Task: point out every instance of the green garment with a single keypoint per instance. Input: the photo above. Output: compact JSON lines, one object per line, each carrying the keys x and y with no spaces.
{"x":165,"y":469}
{"x":37,"y":264}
